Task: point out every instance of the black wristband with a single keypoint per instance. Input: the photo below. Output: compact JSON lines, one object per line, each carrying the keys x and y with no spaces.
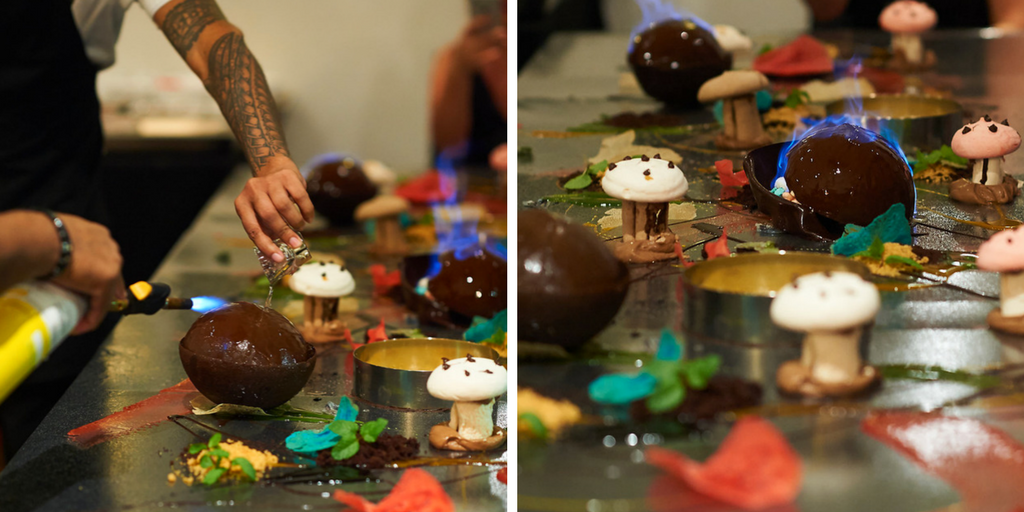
{"x":65,"y":243}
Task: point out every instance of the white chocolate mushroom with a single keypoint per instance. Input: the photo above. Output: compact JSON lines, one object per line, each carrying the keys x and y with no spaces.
{"x":644,"y":183}
{"x":731,"y":39}
{"x":1004,"y":253}
{"x":471,"y":383}
{"x":986,"y":143}
{"x":322,"y":284}
{"x":832,"y":308}
{"x":741,"y":120}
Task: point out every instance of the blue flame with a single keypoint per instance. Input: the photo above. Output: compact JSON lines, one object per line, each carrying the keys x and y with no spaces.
{"x":657,"y":11}
{"x":207,"y":304}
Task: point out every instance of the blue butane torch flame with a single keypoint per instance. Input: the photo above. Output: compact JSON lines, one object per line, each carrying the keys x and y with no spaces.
{"x":206,"y":304}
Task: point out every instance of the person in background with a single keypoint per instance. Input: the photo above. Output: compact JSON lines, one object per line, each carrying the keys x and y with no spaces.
{"x":53,"y":142}
{"x":1005,"y":14}
{"x":469,"y":91}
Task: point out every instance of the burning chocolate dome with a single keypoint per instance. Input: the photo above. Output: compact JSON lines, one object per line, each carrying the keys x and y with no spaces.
{"x":672,"y":59}
{"x":848,"y":174}
{"x":336,"y":186}
{"x":471,"y":282}
{"x":570,"y":283}
{"x":248,"y":355}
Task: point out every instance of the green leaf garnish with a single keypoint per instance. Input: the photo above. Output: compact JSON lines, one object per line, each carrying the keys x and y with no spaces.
{"x":205,"y":462}
{"x":797,"y":97}
{"x":219,"y":452}
{"x":582,"y":181}
{"x":372,"y":429}
{"x":892,"y":260}
{"x":214,"y":441}
{"x":874,"y":251}
{"x":343,"y":427}
{"x":697,"y":372}
{"x":246,"y":466}
{"x":666,"y":398}
{"x":536,"y":426}
{"x":943,"y":154}
{"x":347,"y":447}
{"x":196,"y":448}
{"x":213,"y":475}
{"x":525,"y":154}
{"x":764,"y":49}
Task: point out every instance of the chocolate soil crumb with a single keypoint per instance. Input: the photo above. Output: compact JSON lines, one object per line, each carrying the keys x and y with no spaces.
{"x":387,"y":449}
{"x":723,"y":394}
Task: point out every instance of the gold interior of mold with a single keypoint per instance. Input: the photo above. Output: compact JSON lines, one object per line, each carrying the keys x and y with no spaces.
{"x":420,"y":354}
{"x":764,"y":274}
{"x":900,"y":106}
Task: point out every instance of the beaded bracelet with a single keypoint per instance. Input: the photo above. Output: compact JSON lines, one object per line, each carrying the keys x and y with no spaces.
{"x":65,"y":243}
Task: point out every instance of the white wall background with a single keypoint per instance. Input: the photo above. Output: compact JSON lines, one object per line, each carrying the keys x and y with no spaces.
{"x":355,"y":73}
{"x":756,"y":17}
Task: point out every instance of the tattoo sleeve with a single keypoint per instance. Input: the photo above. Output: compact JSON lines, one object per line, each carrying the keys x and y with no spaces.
{"x":237,"y":82}
{"x":187,"y":20}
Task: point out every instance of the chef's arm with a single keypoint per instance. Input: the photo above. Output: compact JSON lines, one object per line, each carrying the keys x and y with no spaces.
{"x":216,"y":52}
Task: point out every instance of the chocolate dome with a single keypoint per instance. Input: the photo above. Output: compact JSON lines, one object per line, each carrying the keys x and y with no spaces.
{"x":570,"y":283}
{"x":475,"y":285}
{"x":673,"y":58}
{"x":337,"y":186}
{"x":849,"y":174}
{"x":248,"y":355}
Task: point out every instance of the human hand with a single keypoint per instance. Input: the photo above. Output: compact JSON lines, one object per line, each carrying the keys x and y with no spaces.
{"x":499,"y":158}
{"x":95,"y":269}
{"x":481,"y":44}
{"x":267,"y":208}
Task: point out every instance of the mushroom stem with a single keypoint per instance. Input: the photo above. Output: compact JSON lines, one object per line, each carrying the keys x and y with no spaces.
{"x":745,"y":117}
{"x":910,"y":45}
{"x":389,"y":234}
{"x":988,"y":171}
{"x":628,"y":220}
{"x":832,"y":356}
{"x":473,"y":419}
{"x":1011,"y":293}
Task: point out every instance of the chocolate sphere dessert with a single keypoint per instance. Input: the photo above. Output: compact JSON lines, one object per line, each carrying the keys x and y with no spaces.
{"x":247,"y":355}
{"x":673,"y":58}
{"x":849,"y":174}
{"x":472,"y":284}
{"x":570,"y":283}
{"x":337,"y":186}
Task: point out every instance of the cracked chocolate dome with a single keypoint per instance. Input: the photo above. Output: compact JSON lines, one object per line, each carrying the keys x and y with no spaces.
{"x":337,"y":185}
{"x":672,"y":59}
{"x":570,"y":284}
{"x":849,"y":175}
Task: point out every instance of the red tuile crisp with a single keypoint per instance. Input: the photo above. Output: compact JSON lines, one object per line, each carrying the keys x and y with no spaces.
{"x":803,"y":57}
{"x":719,"y":248}
{"x":728,"y":177}
{"x":378,"y":333}
{"x":384,"y":281}
{"x":175,"y":400}
{"x":984,"y":464}
{"x":503,"y":475}
{"x":754,"y":468}
{"x":416,"y":491}
{"x":682,"y":257}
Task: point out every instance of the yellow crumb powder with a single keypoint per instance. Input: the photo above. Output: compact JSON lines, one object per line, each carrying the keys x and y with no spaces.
{"x":880,"y":268}
{"x":194,"y":471}
{"x":554,"y":414}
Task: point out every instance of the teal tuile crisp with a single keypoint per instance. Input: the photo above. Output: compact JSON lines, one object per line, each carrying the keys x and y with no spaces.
{"x":621,"y":388}
{"x":891,"y":226}
{"x":668,"y":348}
{"x":312,"y":441}
{"x":483,"y":329}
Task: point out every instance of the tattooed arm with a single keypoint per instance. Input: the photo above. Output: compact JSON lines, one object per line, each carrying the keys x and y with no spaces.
{"x":216,"y":52}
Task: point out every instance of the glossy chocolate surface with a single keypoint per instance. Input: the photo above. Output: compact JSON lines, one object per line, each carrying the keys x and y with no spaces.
{"x":248,"y":355}
{"x":672,"y":59}
{"x":337,"y":187}
{"x":849,"y":175}
{"x":474,"y":285}
{"x":570,"y":284}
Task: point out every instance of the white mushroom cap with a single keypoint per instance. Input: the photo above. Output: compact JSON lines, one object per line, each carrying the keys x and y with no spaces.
{"x":322,"y":280}
{"x":825,"y":302}
{"x":731,"y":39}
{"x":985,"y":138}
{"x":468,"y":380}
{"x":379,"y":174}
{"x":731,"y":84}
{"x":648,"y":180}
{"x":381,"y":206}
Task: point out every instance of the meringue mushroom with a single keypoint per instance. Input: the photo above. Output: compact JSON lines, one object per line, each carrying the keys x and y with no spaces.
{"x":472,"y":383}
{"x":322,"y":284}
{"x":385,"y":210}
{"x":1004,"y":253}
{"x":906,"y":20}
{"x":833,"y":308}
{"x":743,"y":128}
{"x":645,"y":185}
